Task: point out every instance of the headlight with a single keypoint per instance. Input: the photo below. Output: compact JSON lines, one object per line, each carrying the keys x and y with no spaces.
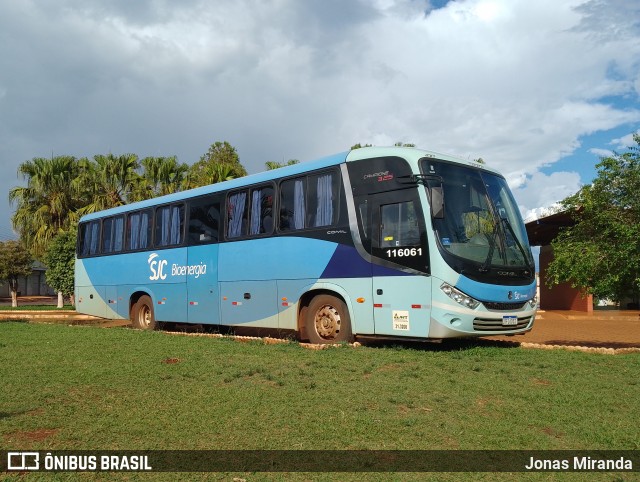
{"x":533,"y":302}
{"x":459,"y":297}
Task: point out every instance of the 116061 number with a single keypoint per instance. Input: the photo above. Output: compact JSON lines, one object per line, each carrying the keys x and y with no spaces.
{"x":403,"y":252}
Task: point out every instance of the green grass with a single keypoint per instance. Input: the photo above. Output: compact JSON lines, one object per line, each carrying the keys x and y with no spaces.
{"x":85,"y":388}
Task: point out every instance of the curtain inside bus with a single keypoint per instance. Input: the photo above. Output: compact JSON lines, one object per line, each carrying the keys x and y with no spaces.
{"x":324,"y":210}
{"x":236,"y":210}
{"x":299,"y":211}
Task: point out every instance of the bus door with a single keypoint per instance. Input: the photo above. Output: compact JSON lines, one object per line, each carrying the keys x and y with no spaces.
{"x":400,"y":273}
{"x":203,"y":298}
{"x":202,"y":285}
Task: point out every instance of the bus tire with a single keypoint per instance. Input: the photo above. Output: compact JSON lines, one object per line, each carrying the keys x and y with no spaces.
{"x":327,"y":320}
{"x":143,"y":316}
{"x":303,"y":323}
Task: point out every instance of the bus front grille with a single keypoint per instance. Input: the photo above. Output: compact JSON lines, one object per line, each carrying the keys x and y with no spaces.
{"x":486,"y":324}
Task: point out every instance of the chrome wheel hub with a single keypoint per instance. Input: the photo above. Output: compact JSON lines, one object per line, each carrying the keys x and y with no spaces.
{"x":327,"y":322}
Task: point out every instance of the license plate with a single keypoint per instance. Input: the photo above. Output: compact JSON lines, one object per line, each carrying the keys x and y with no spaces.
{"x":509,"y":320}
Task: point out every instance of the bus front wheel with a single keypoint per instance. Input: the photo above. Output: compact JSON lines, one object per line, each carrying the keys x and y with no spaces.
{"x":327,"y":320}
{"x":143,"y":317}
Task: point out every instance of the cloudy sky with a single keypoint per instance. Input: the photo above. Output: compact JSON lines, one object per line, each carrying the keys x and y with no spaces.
{"x":539,"y":89}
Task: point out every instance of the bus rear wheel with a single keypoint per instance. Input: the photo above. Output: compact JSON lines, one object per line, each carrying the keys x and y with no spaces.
{"x":142,"y":314}
{"x":327,"y":320}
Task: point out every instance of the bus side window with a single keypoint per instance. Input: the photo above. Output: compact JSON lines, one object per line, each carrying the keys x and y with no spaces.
{"x":322,"y":197}
{"x":399,"y":225}
{"x":112,"y":234}
{"x":204,"y":220}
{"x":237,"y":210}
{"x":261,"y":211}
{"x":169,"y":225}
{"x":292,"y":204}
{"x":139,"y":230}
{"x":89,"y":238}
{"x":363,"y":211}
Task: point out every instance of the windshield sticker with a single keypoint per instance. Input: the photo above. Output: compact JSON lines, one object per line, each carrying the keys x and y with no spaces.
{"x":446,"y":242}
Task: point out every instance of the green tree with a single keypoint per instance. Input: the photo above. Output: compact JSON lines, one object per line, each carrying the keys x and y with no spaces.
{"x":162,"y":175}
{"x":271,"y":165}
{"x":48,"y":202}
{"x":600,"y":254}
{"x":220,"y":163}
{"x":60,"y":259}
{"x":107,"y":181}
{"x":15,"y":261}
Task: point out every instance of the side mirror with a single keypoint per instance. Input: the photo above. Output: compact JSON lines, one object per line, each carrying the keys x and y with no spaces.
{"x":437,"y":202}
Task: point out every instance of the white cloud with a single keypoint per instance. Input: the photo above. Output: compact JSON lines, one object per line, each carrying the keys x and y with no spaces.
{"x":540,"y":194}
{"x":542,"y":212}
{"x":624,"y":142}
{"x":601,"y":152}
{"x":513,"y":81}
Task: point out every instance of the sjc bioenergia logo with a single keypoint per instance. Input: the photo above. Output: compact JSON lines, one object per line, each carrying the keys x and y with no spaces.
{"x":158,"y":267}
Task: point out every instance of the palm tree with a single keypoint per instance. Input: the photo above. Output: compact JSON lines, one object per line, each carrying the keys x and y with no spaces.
{"x":108,"y":181}
{"x":46,"y":205}
{"x":162,"y":175}
{"x":271,"y":165}
{"x":209,"y":174}
{"x":220,"y":172}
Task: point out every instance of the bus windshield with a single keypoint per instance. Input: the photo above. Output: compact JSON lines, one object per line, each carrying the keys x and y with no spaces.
{"x":481,"y":225}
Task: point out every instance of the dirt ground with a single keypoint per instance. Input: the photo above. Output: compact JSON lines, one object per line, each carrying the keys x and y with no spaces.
{"x":602,"y":328}
{"x":609,"y":329}
{"x":31,"y":300}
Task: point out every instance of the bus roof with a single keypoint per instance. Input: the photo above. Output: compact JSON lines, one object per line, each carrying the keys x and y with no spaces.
{"x":409,"y":153}
{"x":412,"y":154}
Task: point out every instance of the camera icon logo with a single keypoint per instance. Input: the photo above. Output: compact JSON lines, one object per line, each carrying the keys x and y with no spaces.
{"x":23,"y":461}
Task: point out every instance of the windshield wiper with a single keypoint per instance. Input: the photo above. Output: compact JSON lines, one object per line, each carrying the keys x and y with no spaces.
{"x":423,"y":178}
{"x":515,"y":238}
{"x":492,"y":246}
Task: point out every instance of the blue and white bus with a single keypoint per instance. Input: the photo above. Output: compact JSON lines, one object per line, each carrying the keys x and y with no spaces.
{"x":375,"y":242}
